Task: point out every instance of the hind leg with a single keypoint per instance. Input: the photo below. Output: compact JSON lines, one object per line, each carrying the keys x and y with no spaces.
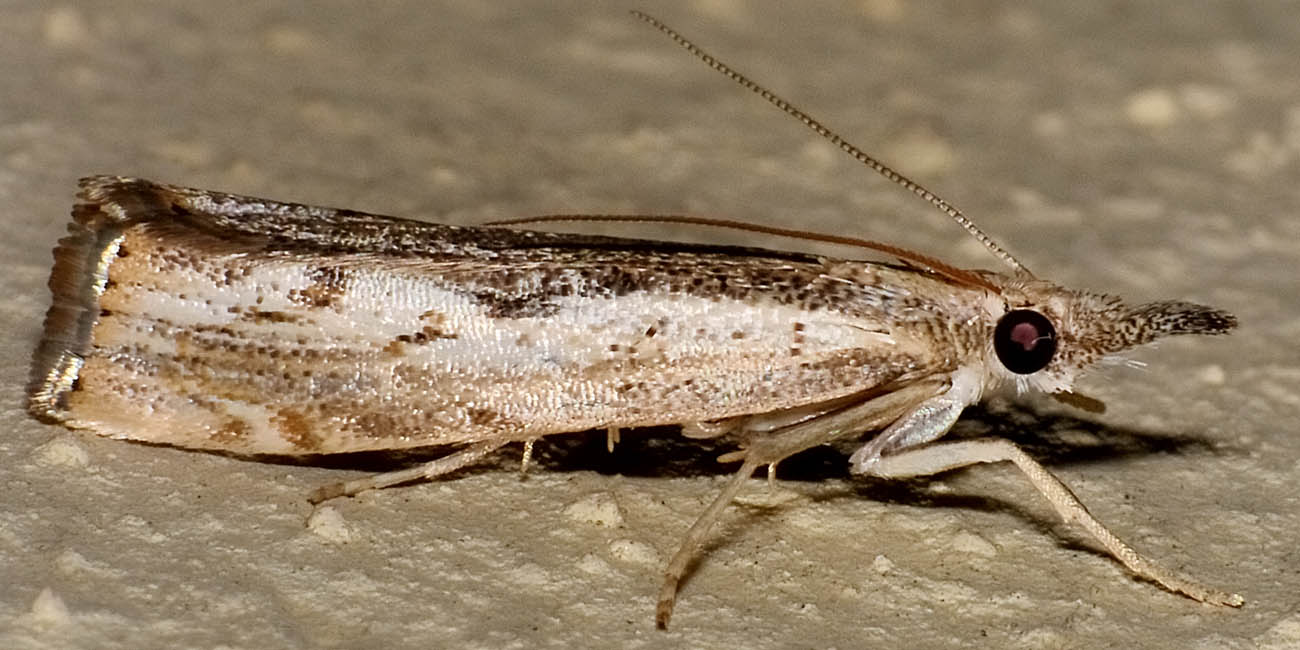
{"x":432,"y":469}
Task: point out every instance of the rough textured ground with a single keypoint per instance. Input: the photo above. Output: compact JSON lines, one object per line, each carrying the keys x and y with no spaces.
{"x":1148,"y":149}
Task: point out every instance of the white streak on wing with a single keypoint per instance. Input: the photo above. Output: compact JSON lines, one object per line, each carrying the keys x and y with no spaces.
{"x":380,"y":305}
{"x":580,"y":331}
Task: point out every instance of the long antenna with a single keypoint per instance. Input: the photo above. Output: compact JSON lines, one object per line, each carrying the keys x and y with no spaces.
{"x":947,"y":270}
{"x":845,"y":146}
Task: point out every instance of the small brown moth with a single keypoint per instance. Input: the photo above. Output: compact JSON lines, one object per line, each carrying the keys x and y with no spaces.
{"x":212,"y":321}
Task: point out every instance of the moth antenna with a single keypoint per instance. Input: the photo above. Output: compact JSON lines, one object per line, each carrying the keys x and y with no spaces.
{"x":949,"y":271}
{"x":835,"y":139}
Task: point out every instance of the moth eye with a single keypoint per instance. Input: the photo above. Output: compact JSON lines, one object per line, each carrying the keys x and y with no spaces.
{"x":1025,"y":341}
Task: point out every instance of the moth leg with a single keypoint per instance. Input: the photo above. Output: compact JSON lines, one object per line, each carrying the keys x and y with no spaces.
{"x":432,"y":469}
{"x":927,"y":422}
{"x":527,"y":457}
{"x":769,"y":447}
{"x":711,"y":429}
{"x":676,"y":568}
{"x":765,"y":422}
{"x":611,"y":438}
{"x":935,"y":458}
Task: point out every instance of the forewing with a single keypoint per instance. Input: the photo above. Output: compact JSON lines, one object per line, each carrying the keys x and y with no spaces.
{"x":214,"y":321}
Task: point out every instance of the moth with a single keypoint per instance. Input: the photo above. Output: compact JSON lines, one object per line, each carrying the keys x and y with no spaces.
{"x":207,"y":320}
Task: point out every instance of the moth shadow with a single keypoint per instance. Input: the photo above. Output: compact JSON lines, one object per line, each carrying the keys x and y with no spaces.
{"x":1051,"y":437}
{"x":1054,"y":438}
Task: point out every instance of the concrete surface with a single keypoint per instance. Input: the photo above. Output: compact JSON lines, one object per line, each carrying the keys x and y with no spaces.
{"x":1147,"y":149}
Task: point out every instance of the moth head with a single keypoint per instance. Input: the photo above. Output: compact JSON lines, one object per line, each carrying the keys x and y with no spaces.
{"x":1046,"y":336}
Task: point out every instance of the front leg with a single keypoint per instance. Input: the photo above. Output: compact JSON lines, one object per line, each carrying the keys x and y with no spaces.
{"x":928,"y":421}
{"x":935,"y":458}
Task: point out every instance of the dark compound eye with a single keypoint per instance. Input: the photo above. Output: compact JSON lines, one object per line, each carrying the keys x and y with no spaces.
{"x":1025,"y":341}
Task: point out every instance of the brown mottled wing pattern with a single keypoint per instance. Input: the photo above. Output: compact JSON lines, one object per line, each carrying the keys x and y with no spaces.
{"x":208,"y":320}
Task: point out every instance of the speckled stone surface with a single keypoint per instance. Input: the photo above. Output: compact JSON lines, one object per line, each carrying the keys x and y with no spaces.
{"x":1148,"y":150}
